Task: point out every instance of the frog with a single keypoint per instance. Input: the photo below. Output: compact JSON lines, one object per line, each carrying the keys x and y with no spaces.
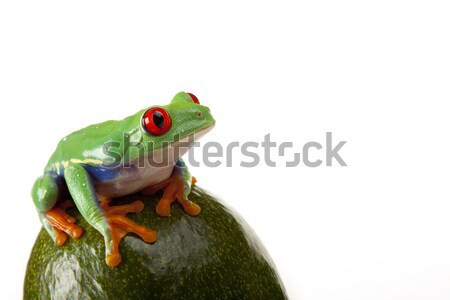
{"x":140,"y":153}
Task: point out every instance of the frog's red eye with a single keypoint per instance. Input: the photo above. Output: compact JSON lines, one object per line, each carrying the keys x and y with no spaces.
{"x":195,"y":99}
{"x":156,"y":121}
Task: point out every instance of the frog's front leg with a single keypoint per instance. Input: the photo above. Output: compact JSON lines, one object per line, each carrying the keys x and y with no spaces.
{"x":110,"y":221}
{"x":176,"y":188}
{"x":53,"y":217}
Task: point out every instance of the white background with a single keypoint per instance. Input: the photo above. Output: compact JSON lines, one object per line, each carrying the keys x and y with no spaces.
{"x":375,"y":73}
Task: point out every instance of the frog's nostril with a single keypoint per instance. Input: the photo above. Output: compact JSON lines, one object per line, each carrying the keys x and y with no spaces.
{"x":198,"y":114}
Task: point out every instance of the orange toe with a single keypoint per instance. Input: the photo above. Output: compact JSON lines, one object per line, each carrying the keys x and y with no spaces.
{"x":190,"y":207}
{"x":163,"y":208}
{"x":61,"y":237}
{"x":113,"y":259}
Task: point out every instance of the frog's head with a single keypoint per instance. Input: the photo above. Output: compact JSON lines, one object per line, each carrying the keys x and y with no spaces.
{"x":182,"y":121}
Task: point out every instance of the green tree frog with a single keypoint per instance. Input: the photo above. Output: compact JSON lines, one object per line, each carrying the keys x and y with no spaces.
{"x":115,"y":158}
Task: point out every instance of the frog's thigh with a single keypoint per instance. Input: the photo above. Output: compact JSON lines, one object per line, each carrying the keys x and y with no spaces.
{"x":45,"y":192}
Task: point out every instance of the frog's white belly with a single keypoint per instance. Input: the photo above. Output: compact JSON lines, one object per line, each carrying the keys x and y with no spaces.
{"x":132,"y":180}
{"x":153,"y":170}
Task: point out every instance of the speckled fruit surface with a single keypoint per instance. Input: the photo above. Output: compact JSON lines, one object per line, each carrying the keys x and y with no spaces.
{"x":212,"y":256}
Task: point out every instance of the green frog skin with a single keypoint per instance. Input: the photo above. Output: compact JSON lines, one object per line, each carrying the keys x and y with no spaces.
{"x":143,"y":154}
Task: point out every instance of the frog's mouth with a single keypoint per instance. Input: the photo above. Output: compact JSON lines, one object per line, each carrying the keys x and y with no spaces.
{"x":184,"y":143}
{"x":168,"y":155}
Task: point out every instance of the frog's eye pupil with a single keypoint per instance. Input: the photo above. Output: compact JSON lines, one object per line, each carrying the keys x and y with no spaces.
{"x":194,"y":98}
{"x":156,"y":121}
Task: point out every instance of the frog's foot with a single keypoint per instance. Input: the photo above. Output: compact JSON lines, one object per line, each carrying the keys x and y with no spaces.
{"x":174,"y":190}
{"x":60,"y":223}
{"x":120,"y":226}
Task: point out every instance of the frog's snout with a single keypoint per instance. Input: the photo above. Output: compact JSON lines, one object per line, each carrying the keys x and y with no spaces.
{"x":203,"y":113}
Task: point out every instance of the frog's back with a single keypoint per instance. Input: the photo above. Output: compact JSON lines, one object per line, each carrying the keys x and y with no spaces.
{"x":86,"y":144}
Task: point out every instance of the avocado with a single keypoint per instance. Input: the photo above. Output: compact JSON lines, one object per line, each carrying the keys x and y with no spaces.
{"x":215,"y":255}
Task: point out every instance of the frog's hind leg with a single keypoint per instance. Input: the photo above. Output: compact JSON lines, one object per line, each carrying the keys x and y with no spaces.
{"x":52,"y":215}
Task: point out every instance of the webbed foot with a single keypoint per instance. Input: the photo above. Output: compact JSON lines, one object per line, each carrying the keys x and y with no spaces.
{"x":175,"y":189}
{"x":120,"y":226}
{"x":59,"y":223}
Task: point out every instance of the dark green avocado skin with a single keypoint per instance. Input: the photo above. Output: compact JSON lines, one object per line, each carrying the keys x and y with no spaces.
{"x":212,"y":256}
